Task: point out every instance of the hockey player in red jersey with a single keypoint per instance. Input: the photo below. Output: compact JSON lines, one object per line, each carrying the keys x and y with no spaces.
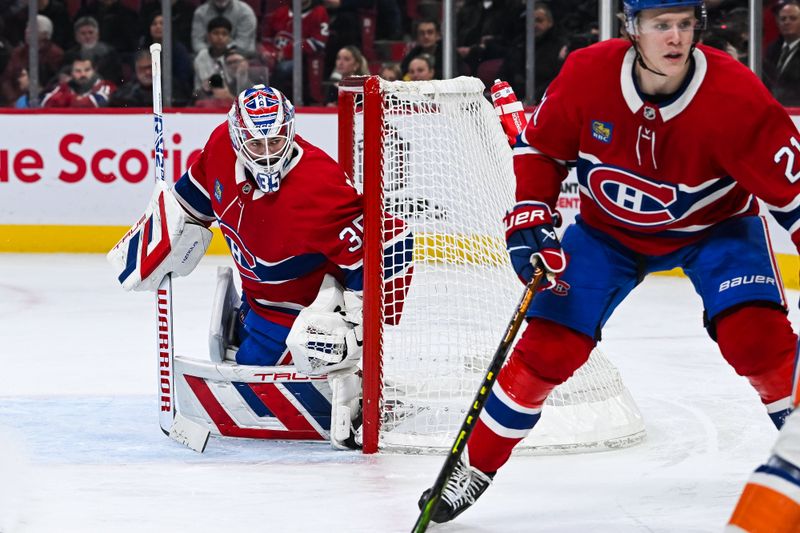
{"x":292,"y":220}
{"x":278,"y":36}
{"x":671,"y":150}
{"x":278,"y":42}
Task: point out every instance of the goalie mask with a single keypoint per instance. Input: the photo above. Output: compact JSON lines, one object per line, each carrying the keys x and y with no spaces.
{"x":261,"y":125}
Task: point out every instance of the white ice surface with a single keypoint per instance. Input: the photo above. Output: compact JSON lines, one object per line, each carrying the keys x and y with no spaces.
{"x":80,"y":448}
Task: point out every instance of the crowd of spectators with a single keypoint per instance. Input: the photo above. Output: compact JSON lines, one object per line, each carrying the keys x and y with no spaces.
{"x":95,"y":53}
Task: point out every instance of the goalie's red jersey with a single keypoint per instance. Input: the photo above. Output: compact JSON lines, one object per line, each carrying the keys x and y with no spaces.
{"x":656,"y":176}
{"x":285,"y":242}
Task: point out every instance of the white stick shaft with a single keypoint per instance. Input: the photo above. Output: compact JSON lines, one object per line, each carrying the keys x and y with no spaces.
{"x":165,"y":351}
{"x":158,"y":119}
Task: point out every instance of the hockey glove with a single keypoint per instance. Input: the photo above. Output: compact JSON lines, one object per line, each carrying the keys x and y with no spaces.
{"x":327,"y":335}
{"x":165,"y":240}
{"x":531,"y":239}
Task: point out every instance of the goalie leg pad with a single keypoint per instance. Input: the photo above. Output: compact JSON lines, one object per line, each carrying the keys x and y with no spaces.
{"x":222,"y":333}
{"x":345,"y":409}
{"x":759,"y":344}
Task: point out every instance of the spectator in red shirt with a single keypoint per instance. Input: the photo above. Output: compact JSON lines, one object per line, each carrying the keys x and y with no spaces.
{"x":84,"y":88}
{"x":278,"y":42}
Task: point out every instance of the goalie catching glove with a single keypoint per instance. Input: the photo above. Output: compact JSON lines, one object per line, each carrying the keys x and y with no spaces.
{"x":164,"y":241}
{"x":531,"y":238}
{"x":327,"y":336}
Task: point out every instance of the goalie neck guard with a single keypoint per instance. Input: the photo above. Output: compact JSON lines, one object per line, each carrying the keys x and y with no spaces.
{"x":261,"y":126}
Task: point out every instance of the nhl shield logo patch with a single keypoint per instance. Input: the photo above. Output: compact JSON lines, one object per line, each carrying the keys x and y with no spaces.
{"x":649,"y":113}
{"x":602,"y":131}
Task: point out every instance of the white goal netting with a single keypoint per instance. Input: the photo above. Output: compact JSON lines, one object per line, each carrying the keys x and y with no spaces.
{"x":448,"y":173}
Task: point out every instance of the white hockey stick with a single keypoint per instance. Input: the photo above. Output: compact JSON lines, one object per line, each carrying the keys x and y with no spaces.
{"x":179,"y":428}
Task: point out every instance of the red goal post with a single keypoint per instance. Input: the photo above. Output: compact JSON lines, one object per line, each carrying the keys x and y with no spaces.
{"x":434,"y":154}
{"x":366,"y":92}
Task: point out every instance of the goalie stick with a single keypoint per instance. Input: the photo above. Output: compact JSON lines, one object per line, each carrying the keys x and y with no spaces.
{"x":476,"y":407}
{"x":177,"y":427}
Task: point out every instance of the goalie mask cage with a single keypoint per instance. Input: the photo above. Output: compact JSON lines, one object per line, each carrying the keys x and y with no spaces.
{"x":434,"y":155}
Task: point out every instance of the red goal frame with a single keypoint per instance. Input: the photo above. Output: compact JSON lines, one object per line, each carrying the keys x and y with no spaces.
{"x":365,"y":92}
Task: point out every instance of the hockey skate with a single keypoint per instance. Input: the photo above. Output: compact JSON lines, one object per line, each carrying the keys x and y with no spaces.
{"x":462,"y":490}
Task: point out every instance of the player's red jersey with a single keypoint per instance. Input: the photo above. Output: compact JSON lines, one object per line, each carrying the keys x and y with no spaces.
{"x":657,"y":176}
{"x":65,"y":96}
{"x":278,"y":36}
{"x":285,"y":242}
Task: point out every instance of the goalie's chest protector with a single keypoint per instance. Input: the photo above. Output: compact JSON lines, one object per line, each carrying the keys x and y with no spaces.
{"x":656,"y":176}
{"x":285,"y":242}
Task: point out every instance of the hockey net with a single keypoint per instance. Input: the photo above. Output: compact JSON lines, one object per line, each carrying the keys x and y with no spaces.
{"x":434,"y":154}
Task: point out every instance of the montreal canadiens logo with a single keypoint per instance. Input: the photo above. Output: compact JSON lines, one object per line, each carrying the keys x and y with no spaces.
{"x":631,"y":198}
{"x":245,"y":260}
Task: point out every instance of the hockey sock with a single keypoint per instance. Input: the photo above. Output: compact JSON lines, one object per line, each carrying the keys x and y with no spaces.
{"x":759,"y":343}
{"x":515,"y":403}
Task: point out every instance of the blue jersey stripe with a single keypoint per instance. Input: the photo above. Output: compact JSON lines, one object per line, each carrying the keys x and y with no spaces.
{"x":354,"y":279}
{"x":289,"y":269}
{"x":787,"y":219}
{"x":194,"y":196}
{"x":278,"y":309}
{"x":396,"y":258}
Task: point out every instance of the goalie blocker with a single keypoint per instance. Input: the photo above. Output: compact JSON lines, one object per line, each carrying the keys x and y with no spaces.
{"x":165,"y":240}
{"x":316,"y":398}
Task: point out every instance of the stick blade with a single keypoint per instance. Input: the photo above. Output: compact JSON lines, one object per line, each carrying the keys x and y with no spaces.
{"x":189,"y":433}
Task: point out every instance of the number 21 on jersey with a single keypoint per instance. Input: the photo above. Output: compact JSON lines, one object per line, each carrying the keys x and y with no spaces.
{"x":789,"y":153}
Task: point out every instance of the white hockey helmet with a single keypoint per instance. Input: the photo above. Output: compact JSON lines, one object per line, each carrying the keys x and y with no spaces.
{"x":261,"y":125}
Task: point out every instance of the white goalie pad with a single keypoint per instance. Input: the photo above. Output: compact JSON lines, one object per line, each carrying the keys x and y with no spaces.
{"x":224,"y":311}
{"x":163,"y":241}
{"x":327,"y":336}
{"x":345,"y":409}
{"x":269,"y":402}
{"x":256,"y":402}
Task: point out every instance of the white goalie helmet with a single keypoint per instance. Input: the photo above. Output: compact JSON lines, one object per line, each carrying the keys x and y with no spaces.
{"x":261,"y":126}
